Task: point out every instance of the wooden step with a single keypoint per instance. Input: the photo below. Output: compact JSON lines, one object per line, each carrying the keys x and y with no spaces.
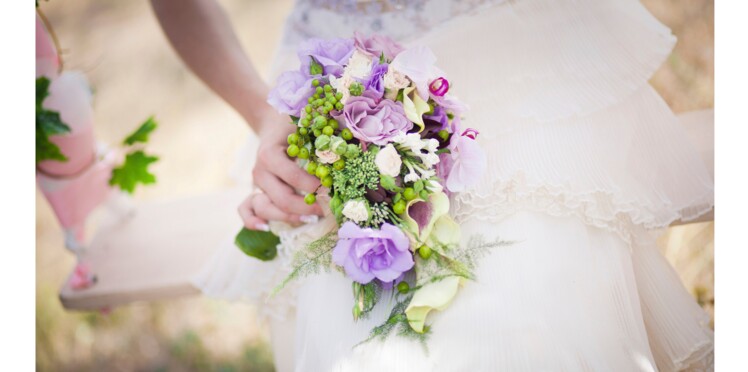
{"x":155,"y":253}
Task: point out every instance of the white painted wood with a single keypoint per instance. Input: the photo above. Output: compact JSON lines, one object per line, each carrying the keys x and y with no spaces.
{"x":154,"y":254}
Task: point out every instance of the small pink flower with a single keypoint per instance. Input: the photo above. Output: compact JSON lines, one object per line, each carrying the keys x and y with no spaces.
{"x":439,"y":87}
{"x":468,"y":161}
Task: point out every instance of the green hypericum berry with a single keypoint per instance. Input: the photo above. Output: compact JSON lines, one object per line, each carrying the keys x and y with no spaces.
{"x":303,"y":131}
{"x":399,"y":207}
{"x":319,"y":122}
{"x":319,"y":90}
{"x":424,"y":252}
{"x":315,"y":96}
{"x":341,"y":150}
{"x":340,"y":164}
{"x":328,"y":88}
{"x":304,"y":122}
{"x":322,"y":171}
{"x":310,"y":199}
{"x":356,"y":89}
{"x":311,"y":168}
{"x":292,"y":151}
{"x":333,"y":123}
{"x":338,"y":106}
{"x":346,"y":134}
{"x":339,"y":96}
{"x":315,"y":83}
{"x":328,"y":131}
{"x":327,"y":181}
{"x":303,"y":153}
{"x":292,"y":138}
{"x":308,"y":109}
{"x":443,"y":134}
{"x":409,"y":194}
{"x":403,"y":287}
{"x":315,"y":114}
{"x":325,"y":110}
{"x":310,"y":100}
{"x":317,"y":132}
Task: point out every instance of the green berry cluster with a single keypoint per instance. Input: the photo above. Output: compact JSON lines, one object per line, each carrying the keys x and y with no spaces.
{"x":316,"y":129}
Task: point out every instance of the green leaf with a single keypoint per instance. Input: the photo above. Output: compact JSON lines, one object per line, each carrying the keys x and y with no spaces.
{"x":315,"y":68}
{"x":382,"y":59}
{"x":294,"y":120}
{"x":133,"y":171}
{"x":365,"y":296}
{"x":141,"y":134}
{"x":48,"y":123}
{"x":46,"y":149}
{"x":262,"y":245}
{"x":42,"y":90}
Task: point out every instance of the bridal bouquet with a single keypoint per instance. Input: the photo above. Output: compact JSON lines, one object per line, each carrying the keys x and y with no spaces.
{"x":376,"y":123}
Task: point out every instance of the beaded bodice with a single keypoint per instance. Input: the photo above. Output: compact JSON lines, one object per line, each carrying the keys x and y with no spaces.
{"x":398,"y":19}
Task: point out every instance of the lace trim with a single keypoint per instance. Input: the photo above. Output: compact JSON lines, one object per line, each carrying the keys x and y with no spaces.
{"x":700,"y":359}
{"x":599,"y":208}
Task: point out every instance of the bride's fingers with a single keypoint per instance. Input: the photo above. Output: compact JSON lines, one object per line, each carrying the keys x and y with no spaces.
{"x":288,"y":171}
{"x":283,"y":196}
{"x":251,"y":221}
{"x":264,"y":208}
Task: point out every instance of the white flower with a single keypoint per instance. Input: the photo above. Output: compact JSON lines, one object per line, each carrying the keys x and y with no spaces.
{"x":431,"y":145}
{"x":388,"y":161}
{"x":327,"y":156}
{"x":412,"y":141}
{"x":341,"y":85}
{"x":359,"y":66}
{"x":430,"y":159}
{"x":411,"y":177}
{"x":394,"y":80}
{"x":434,"y":186}
{"x":356,"y":211}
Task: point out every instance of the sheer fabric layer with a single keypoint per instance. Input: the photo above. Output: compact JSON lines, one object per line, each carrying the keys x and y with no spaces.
{"x":585,"y":160}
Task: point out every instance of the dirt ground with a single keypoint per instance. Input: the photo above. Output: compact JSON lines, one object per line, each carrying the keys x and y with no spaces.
{"x":135,"y":74}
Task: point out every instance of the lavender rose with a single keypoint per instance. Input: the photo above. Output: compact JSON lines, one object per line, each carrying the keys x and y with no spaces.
{"x":375,"y":82}
{"x":291,"y":92}
{"x":373,"y":122}
{"x":376,"y":45}
{"x":366,"y":253}
{"x":332,"y":54}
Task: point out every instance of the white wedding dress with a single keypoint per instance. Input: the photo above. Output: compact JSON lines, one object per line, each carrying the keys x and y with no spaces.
{"x":586,"y":165}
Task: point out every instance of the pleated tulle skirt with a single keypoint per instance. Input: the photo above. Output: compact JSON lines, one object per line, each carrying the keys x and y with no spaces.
{"x":564,"y":297}
{"x":586,"y":164}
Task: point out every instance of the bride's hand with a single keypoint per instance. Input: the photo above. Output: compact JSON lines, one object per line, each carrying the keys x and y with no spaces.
{"x":278,"y":177}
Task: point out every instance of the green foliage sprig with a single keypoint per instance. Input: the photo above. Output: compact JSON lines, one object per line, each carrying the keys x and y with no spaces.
{"x":48,"y":123}
{"x":134,"y":170}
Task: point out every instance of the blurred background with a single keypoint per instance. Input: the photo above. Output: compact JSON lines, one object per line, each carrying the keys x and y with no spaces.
{"x":135,"y":74}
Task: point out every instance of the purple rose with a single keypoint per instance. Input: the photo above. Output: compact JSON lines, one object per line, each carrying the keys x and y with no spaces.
{"x":291,"y":92}
{"x":375,"y":82}
{"x":373,"y":122}
{"x":437,"y":120}
{"x":376,"y":45}
{"x":366,"y":253}
{"x":332,"y":54}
